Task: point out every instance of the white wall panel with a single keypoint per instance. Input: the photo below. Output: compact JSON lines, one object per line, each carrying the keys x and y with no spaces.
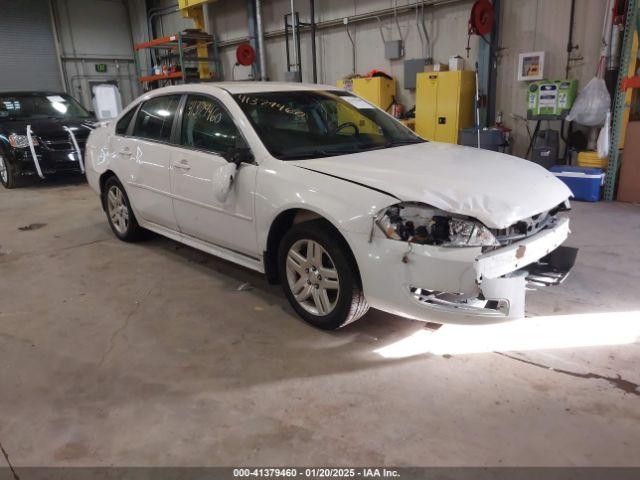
{"x":96,"y":31}
{"x":531,"y":25}
{"x":526,"y":25}
{"x":447,"y":26}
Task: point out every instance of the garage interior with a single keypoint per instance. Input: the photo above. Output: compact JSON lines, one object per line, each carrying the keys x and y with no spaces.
{"x":157,"y":354}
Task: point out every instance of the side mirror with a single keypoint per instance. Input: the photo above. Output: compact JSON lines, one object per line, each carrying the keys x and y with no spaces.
{"x":223,"y":178}
{"x":238,"y":155}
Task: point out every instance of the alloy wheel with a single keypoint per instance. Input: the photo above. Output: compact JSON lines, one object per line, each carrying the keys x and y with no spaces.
{"x":118,"y":210}
{"x":312,"y":276}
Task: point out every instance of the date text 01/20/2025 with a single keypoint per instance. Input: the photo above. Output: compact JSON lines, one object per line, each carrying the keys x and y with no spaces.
{"x":316,"y":472}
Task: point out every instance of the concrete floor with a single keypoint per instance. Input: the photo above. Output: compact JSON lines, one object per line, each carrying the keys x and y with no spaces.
{"x":146,"y":354}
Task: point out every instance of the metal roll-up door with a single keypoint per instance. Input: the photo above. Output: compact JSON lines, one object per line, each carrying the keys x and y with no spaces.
{"x":28,"y":52}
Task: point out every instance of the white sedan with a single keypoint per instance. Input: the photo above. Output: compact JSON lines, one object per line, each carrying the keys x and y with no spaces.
{"x":334,"y":199}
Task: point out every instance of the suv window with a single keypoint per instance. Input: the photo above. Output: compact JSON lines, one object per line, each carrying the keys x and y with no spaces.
{"x":123,"y":124}
{"x":206,"y":125}
{"x":155,"y":118}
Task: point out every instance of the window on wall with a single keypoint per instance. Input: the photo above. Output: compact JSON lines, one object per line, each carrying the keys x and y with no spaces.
{"x":155,"y":118}
{"x":207,"y":126}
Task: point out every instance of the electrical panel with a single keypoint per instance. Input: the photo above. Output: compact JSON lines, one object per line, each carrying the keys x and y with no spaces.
{"x":393,"y":49}
{"x":411,"y":69}
{"x":444,"y":104}
{"x":292,"y":76}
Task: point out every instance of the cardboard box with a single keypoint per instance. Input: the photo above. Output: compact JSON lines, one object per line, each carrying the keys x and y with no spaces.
{"x":436,"y":67}
{"x":629,"y":183}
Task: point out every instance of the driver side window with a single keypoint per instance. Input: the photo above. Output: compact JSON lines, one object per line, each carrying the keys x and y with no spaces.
{"x":206,"y":125}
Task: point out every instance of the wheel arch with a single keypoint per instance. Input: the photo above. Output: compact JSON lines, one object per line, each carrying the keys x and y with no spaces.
{"x":6,"y":151}
{"x":104,"y":176}
{"x":282,"y":223}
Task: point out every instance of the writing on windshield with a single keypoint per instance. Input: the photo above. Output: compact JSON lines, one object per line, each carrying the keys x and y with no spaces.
{"x":296,"y":125}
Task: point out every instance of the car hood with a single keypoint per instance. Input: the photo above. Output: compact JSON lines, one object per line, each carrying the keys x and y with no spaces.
{"x":47,"y":127}
{"x":495,"y":188}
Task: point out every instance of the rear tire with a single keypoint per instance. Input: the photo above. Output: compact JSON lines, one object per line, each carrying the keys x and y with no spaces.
{"x":121,"y":218}
{"x":8,"y":176}
{"x":319,"y":276}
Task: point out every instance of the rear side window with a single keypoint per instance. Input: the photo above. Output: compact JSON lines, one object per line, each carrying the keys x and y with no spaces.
{"x":123,"y":124}
{"x":155,"y":118}
{"x":207,"y":126}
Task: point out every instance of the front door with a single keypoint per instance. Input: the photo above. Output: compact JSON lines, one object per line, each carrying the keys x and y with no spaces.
{"x":148,"y":161}
{"x":206,"y":132}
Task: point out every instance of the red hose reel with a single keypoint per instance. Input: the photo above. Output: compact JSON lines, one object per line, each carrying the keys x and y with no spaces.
{"x":245,"y":54}
{"x":482,"y":18}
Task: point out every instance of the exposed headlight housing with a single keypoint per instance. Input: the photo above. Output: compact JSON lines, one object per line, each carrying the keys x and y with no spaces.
{"x":20,"y":141}
{"x":422,"y":224}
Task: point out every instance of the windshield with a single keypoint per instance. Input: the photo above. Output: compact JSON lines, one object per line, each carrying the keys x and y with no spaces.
{"x":297,"y":125}
{"x":40,"y":105}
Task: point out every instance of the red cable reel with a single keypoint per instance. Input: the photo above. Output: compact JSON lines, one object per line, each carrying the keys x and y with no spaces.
{"x":245,"y":54}
{"x":482,"y":18}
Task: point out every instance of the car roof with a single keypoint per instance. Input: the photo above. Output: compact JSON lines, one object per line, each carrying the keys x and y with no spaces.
{"x":244,"y":87}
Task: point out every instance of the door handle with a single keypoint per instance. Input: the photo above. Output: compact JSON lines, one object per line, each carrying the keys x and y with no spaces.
{"x":125,"y":152}
{"x":182,"y":165}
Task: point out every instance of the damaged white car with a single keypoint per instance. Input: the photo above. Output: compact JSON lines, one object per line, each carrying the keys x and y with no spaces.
{"x":334,"y":199}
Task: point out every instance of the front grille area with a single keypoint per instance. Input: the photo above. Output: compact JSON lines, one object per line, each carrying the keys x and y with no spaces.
{"x":62,"y":144}
{"x":528,"y":226}
{"x":524,"y":228}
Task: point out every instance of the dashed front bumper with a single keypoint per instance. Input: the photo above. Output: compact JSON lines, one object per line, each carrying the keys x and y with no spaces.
{"x":462,"y":285}
{"x":504,"y":260}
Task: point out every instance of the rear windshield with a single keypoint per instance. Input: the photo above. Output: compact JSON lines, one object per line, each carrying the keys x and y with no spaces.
{"x":39,"y":105}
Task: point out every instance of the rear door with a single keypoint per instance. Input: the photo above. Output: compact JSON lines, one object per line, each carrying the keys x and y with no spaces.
{"x":147,"y":156}
{"x":206,"y":131}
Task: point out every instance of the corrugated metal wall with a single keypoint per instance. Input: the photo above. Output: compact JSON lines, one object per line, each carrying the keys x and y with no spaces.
{"x":28,"y":55}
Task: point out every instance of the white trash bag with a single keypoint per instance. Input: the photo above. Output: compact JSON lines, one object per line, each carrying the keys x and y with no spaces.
{"x":603,"y":138}
{"x":592,"y":104}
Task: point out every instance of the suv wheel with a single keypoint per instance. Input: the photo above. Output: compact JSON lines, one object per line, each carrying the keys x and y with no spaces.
{"x":319,"y":277}
{"x":7,"y":174}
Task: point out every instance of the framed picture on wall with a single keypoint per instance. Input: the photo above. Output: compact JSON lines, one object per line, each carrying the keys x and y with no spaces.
{"x":531,"y":66}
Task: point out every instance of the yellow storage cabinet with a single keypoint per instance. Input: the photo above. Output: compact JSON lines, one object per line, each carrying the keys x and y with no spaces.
{"x":376,"y":90}
{"x":444,"y":104}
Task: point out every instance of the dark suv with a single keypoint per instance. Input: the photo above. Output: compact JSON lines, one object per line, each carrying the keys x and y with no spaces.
{"x":41,"y":133}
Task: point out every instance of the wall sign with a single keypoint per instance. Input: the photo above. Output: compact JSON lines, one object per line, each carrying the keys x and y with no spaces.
{"x":531,"y":66}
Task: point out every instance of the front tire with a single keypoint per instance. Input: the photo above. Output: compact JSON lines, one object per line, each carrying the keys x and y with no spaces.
{"x":121,"y":218}
{"x":8,"y":176}
{"x":319,"y":277}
